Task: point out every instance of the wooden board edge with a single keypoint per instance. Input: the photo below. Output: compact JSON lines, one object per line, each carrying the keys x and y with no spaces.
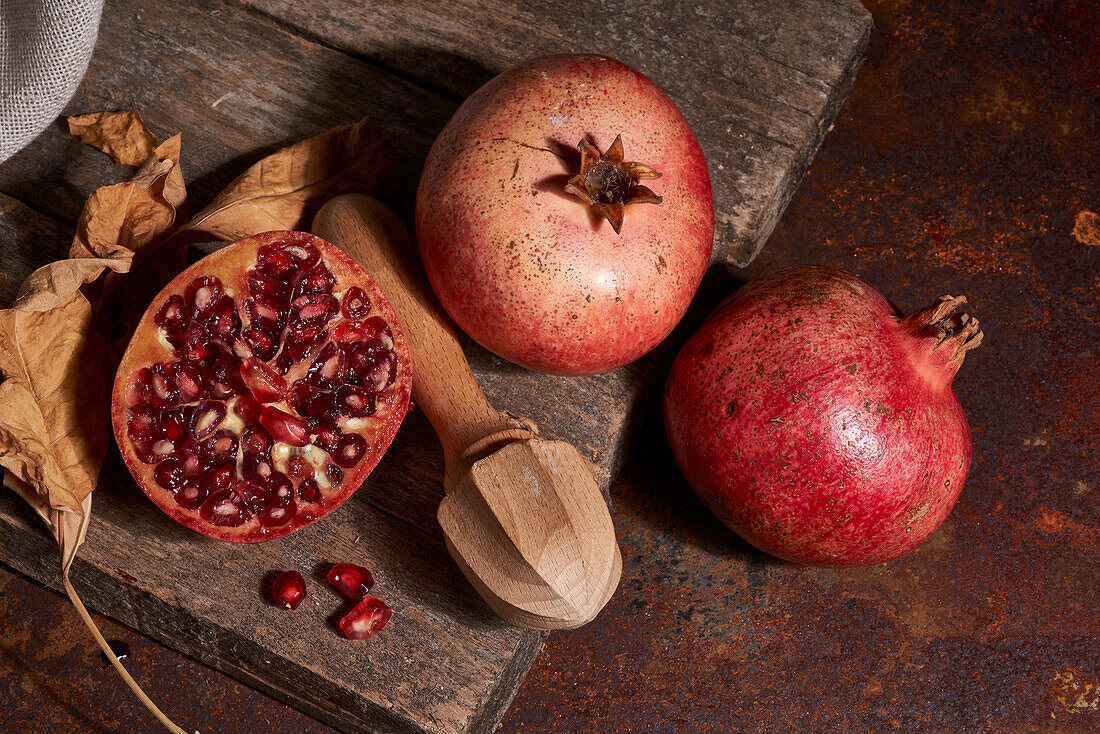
{"x":741,"y":250}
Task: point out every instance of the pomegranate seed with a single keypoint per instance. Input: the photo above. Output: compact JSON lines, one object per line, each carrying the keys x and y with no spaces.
{"x":285,"y":427}
{"x":141,"y":422}
{"x":248,"y":408}
{"x":256,"y":440}
{"x":288,"y":590}
{"x":263,"y":344}
{"x":208,"y":415}
{"x":162,"y":449}
{"x":143,"y":448}
{"x":222,"y":446}
{"x":265,"y":384}
{"x":202,"y":295}
{"x":352,"y":581}
{"x":226,"y":323}
{"x":191,"y":496}
{"x":304,"y":255}
{"x":335,"y":474}
{"x":299,"y":468}
{"x":258,"y":468}
{"x":172,"y":316}
{"x":278,"y":512}
{"x":225,"y":509}
{"x":194,"y":460}
{"x":383,"y":374}
{"x":168,"y":474}
{"x":261,"y":282}
{"x":242,"y":349}
{"x":188,"y":382}
{"x":349,"y":450}
{"x":301,"y":394}
{"x":314,"y":308}
{"x":160,"y":388}
{"x":253,"y":494}
{"x":283,"y":362}
{"x":173,"y":426}
{"x":328,"y":437}
{"x":356,"y":305}
{"x":349,"y":331}
{"x":366,"y":619}
{"x":222,"y":475}
{"x":317,"y":279}
{"x":354,"y":402}
{"x":329,"y":369}
{"x":265,"y":312}
{"x":308,"y":491}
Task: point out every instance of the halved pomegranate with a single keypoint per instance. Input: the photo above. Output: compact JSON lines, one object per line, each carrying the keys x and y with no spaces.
{"x":234,"y":408}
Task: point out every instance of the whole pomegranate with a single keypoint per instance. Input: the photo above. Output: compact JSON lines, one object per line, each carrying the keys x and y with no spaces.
{"x":559,"y":256}
{"x":261,"y":387}
{"x":818,"y":422}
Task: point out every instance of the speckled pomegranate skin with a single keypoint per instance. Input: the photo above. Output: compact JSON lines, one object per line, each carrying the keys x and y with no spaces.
{"x":529,"y":271}
{"x":816,"y":423}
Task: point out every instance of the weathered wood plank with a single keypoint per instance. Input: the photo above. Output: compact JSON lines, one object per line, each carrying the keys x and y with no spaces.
{"x":28,"y":240}
{"x":760,"y":81}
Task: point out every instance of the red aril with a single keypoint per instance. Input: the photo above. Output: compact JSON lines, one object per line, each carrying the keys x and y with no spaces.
{"x":225,"y":408}
{"x":517,"y":228}
{"x":366,"y":619}
{"x":288,"y":590}
{"x":818,"y":422}
{"x":352,"y":581}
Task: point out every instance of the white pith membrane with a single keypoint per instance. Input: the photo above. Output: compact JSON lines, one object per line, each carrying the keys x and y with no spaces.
{"x":216,"y":467}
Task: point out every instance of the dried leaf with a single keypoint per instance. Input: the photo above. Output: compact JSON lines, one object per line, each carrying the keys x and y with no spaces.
{"x":121,"y":135}
{"x":285,"y":190}
{"x":54,"y":399}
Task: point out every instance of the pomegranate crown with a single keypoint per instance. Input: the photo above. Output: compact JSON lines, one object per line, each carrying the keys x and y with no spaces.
{"x":608,"y":184}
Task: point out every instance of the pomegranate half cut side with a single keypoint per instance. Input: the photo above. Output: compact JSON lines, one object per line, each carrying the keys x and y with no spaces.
{"x":235,"y":409}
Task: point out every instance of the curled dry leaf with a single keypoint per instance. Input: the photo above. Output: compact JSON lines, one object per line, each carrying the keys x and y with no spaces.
{"x":121,"y":135}
{"x":285,"y":190}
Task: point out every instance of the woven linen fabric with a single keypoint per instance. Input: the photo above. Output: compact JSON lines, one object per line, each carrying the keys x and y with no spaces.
{"x":44,"y":50}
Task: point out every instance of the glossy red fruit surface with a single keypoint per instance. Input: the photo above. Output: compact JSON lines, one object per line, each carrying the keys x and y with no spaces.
{"x":818,"y":422}
{"x":367,"y":618}
{"x":350,"y":580}
{"x":288,"y":590}
{"x":225,"y":403}
{"x":532,"y":272}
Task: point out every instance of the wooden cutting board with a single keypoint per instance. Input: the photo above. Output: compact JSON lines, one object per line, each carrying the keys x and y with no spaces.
{"x":760,"y":82}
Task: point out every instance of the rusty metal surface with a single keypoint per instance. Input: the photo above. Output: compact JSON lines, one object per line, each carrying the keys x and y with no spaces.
{"x":967,"y":150}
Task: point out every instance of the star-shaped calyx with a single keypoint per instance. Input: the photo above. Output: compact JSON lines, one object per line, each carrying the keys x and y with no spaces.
{"x":609,"y":184}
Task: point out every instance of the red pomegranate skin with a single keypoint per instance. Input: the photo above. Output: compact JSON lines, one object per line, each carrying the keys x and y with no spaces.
{"x":817,"y":422}
{"x":529,"y":271}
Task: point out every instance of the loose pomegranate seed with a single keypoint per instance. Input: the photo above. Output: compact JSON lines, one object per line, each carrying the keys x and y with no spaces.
{"x":172,"y":316}
{"x":349,"y":450}
{"x":208,"y":415}
{"x":263,"y":344}
{"x":202,"y":295}
{"x":308,"y":491}
{"x":317,"y":279}
{"x":256,"y":440}
{"x":352,"y":581}
{"x":261,"y":282}
{"x":285,"y":427}
{"x":248,"y":408}
{"x":225,"y":509}
{"x":366,"y":619}
{"x":288,"y":590}
{"x":168,"y":474}
{"x":354,"y":402}
{"x":265,"y":384}
{"x":191,"y":496}
{"x":356,"y":305}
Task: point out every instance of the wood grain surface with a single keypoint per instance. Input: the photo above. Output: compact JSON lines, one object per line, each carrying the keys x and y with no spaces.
{"x":759,"y":82}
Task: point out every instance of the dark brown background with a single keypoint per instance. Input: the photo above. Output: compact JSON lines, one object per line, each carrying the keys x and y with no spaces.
{"x":966,"y":150}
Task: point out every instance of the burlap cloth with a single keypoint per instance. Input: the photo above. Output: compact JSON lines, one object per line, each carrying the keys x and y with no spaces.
{"x":44,"y":50}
